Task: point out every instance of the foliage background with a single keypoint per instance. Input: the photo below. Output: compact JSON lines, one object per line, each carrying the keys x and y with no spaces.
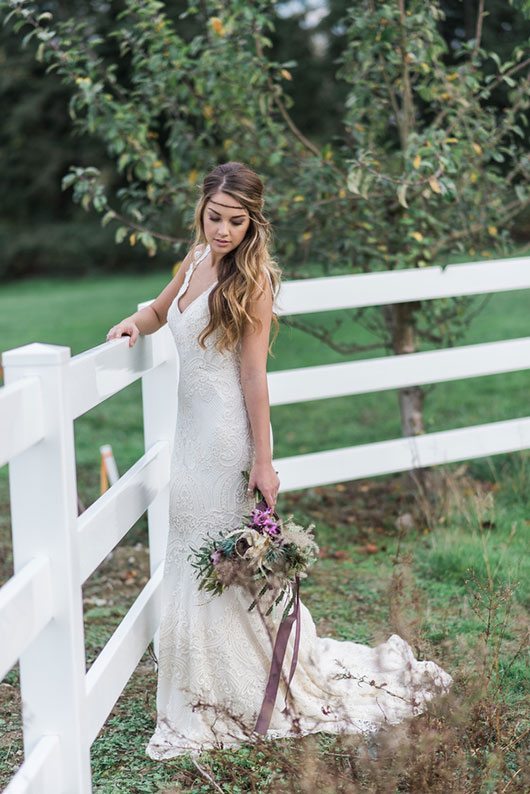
{"x":42,"y":232}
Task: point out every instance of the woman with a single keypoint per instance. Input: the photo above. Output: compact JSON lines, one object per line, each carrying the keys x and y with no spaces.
{"x":215,"y":655}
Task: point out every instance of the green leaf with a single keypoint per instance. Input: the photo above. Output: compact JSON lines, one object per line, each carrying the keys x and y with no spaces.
{"x":402,"y":195}
{"x":100,"y":202}
{"x":108,"y":216}
{"x":27,"y":38}
{"x":121,"y":233}
{"x":494,"y":56}
{"x":354,"y":179}
{"x":521,"y":193}
{"x":68,"y":181}
{"x":148,"y":241}
{"x":365,"y":184}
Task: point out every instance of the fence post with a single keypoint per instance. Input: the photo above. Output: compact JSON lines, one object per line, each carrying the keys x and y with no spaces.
{"x":159,"y":399}
{"x":43,"y":492}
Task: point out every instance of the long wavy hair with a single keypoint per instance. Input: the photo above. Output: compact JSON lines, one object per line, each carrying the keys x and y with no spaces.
{"x":242,"y":273}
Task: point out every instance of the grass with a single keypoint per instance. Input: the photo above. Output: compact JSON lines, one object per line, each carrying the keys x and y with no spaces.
{"x":453,"y":580}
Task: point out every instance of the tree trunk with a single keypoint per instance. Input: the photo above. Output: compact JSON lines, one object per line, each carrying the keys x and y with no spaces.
{"x":411,"y":408}
{"x":400,"y":320}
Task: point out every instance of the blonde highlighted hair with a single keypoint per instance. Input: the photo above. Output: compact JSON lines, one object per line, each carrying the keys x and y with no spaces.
{"x":247,"y":270}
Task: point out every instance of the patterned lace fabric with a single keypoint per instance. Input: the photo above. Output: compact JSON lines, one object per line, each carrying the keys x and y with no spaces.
{"x":214,"y":655}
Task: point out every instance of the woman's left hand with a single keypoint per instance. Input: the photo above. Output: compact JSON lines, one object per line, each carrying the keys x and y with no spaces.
{"x":264,"y":477}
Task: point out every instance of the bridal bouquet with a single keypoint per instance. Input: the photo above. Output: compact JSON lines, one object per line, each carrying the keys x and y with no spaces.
{"x":265,"y":554}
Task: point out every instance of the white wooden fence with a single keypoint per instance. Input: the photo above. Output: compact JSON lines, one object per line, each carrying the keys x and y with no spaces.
{"x":55,"y":551}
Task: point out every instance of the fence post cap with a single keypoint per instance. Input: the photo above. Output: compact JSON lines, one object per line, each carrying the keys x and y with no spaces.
{"x":36,"y":353}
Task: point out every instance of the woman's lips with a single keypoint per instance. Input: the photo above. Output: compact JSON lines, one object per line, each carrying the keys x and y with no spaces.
{"x":221,"y":242}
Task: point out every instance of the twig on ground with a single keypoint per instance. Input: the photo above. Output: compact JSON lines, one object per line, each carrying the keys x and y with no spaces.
{"x":207,"y":776}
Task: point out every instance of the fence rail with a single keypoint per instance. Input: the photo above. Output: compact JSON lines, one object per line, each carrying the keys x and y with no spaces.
{"x":55,"y":550}
{"x":403,"y":286}
{"x":102,"y":525}
{"x":396,"y":372}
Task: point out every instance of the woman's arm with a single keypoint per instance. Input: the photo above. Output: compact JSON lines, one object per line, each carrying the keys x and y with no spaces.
{"x":254,"y":350}
{"x":154,"y":316}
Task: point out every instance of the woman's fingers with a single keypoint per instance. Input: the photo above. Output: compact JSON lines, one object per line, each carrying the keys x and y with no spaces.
{"x":268,"y":489}
{"x":272,"y":496}
{"x":115,"y":332}
{"x":124,"y":329}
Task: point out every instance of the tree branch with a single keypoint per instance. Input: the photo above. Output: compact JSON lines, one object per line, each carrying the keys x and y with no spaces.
{"x":139,"y":228}
{"x":478,"y":29}
{"x":283,"y":110}
{"x":508,"y":73}
{"x":325,"y":336}
{"x":511,"y":211}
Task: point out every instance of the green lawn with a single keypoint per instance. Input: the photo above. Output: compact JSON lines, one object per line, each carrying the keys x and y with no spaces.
{"x":455,"y":584}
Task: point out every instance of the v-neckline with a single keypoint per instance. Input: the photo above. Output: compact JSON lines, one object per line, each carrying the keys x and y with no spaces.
{"x":194,"y":300}
{"x":187,"y":284}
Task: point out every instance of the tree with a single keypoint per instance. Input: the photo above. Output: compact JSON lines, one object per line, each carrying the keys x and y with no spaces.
{"x":435,"y":164}
{"x":426,"y":166}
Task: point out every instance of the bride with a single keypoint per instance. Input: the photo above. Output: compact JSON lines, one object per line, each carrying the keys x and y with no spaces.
{"x":215,"y":655}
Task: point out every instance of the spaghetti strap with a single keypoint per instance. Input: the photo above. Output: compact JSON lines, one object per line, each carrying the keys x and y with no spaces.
{"x":198,"y":255}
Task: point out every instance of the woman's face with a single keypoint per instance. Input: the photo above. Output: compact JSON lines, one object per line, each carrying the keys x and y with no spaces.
{"x":224,"y":220}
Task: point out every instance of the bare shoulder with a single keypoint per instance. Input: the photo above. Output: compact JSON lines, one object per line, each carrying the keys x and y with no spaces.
{"x":265,"y":293}
{"x":261,"y":309}
{"x":163,"y":301}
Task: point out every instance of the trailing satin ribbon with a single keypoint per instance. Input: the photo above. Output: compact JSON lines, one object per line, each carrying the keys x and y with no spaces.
{"x":278,"y":653}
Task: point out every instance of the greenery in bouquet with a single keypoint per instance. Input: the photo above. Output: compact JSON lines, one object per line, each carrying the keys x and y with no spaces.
{"x":264,"y":555}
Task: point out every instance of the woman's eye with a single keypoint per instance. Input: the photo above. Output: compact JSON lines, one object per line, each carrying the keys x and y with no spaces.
{"x":239,"y":223}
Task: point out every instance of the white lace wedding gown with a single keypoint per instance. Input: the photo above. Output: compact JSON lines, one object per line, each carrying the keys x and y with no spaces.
{"x":214,"y":655}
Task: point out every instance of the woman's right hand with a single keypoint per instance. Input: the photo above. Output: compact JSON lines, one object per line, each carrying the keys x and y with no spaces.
{"x":124,"y":328}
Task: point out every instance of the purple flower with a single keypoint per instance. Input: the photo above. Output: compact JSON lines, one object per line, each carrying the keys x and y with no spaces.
{"x":261,"y":517}
{"x":271,"y":527}
{"x":216,"y":556}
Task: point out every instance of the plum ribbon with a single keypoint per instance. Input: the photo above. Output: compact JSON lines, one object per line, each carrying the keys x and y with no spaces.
{"x":278,"y":653}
